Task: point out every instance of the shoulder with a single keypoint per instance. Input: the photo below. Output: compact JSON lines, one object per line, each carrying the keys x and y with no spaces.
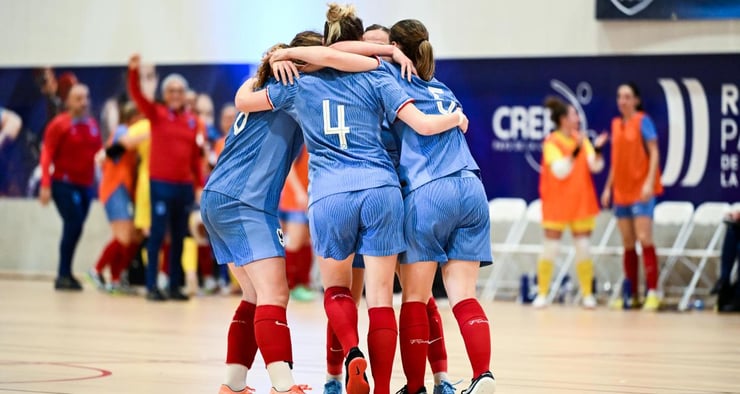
{"x":60,"y":121}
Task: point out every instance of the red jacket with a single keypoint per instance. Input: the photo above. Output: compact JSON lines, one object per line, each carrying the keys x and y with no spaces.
{"x":175,"y":154}
{"x":70,"y":145}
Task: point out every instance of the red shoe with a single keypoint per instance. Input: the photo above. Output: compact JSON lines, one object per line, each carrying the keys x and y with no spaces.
{"x":227,"y":390}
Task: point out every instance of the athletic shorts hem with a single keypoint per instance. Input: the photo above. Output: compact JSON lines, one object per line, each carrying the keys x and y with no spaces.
{"x":381,"y":253}
{"x":441,"y":258}
{"x":254,"y":259}
{"x":293,"y":216}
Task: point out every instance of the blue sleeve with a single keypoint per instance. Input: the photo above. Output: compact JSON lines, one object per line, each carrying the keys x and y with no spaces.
{"x":391,"y":95}
{"x":121,"y":130}
{"x":280,"y":96}
{"x":648,"y":129}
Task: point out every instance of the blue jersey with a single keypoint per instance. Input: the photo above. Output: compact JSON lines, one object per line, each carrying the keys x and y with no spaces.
{"x":426,"y":158}
{"x":258,"y":152}
{"x":341,"y":117}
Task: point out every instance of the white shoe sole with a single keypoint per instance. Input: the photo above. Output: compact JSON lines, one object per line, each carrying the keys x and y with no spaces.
{"x":484,"y":386}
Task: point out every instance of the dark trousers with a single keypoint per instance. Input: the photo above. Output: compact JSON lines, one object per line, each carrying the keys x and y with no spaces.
{"x":730,"y":252}
{"x":73,"y":204}
{"x":171,"y":205}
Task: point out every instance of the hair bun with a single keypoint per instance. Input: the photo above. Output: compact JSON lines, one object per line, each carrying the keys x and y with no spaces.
{"x":338,"y":12}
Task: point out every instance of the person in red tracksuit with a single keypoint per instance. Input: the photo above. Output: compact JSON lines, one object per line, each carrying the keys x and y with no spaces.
{"x":71,"y":141}
{"x":175,"y":174}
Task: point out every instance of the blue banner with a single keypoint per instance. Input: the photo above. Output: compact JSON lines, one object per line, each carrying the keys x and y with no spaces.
{"x":667,"y":9}
{"x":694,"y":101}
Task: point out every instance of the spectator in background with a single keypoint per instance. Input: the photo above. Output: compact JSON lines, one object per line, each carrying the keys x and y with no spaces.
{"x":116,"y":194}
{"x":110,"y":114}
{"x":205,"y":110}
{"x":10,"y":127}
{"x":634,"y":180}
{"x":55,"y":90}
{"x":568,"y":197}
{"x":228,"y":117}
{"x":293,"y":214}
{"x":728,"y":294}
{"x":70,"y":144}
{"x":175,"y":174}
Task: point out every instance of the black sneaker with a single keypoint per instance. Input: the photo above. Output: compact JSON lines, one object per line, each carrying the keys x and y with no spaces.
{"x":67,"y":283}
{"x":483,"y":384}
{"x":405,"y":390}
{"x":355,"y":379}
{"x":155,"y":295}
{"x":177,"y":295}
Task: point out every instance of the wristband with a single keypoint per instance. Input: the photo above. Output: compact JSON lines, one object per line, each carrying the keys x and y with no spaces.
{"x":598,"y":149}
{"x":576,"y":151}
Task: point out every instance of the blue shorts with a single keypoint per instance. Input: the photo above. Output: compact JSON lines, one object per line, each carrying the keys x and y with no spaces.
{"x":639,"y":208}
{"x":368,"y":222}
{"x":358,"y":262}
{"x":293,"y":217}
{"x":119,"y":205}
{"x":238,"y":233}
{"x":447,"y":219}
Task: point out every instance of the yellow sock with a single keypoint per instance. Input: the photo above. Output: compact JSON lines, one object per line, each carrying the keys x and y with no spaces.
{"x":189,"y":255}
{"x":585,"y":273}
{"x":544,"y":276}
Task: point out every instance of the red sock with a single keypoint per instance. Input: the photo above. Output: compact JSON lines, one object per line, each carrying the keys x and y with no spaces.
{"x":414,"y":340}
{"x":381,"y":343}
{"x":334,"y":353}
{"x":303,"y":266}
{"x":242,"y":345}
{"x":272,"y":334}
{"x":342,"y":314}
{"x":476,"y":334}
{"x":651,"y":267}
{"x":123,"y":261}
{"x":437,"y":352}
{"x":165,"y":266}
{"x":109,"y":256}
{"x":630,"y":269}
{"x":291,"y":262}
{"x":205,"y":260}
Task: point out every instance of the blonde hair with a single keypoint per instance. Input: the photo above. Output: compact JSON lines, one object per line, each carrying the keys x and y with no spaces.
{"x":342,"y":24}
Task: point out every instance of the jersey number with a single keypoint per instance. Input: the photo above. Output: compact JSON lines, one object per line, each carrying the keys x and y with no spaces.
{"x":240,"y":123}
{"x":341,"y":130}
{"x":437,"y":93}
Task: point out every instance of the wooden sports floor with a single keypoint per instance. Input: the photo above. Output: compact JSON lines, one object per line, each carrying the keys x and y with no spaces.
{"x":94,"y":343}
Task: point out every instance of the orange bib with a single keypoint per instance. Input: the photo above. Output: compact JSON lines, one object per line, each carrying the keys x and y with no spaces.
{"x":572,"y":198}
{"x":630,"y":161}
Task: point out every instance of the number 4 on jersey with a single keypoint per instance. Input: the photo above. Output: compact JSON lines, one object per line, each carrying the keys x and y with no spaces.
{"x":341,"y":130}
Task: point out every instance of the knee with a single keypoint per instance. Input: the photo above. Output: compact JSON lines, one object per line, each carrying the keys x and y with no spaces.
{"x":582,"y":246}
{"x":277,"y":295}
{"x":550,"y":249}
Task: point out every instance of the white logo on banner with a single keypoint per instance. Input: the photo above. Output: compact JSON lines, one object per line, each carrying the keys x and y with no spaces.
{"x":631,"y":7}
{"x":700,"y":133}
{"x":519,"y":128}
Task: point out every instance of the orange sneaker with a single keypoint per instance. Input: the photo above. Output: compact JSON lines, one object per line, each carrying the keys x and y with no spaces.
{"x":296,"y":389}
{"x":227,"y":390}
{"x":356,"y":378}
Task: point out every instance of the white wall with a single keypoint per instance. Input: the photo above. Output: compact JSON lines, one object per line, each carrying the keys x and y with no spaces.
{"x":95,"y":32}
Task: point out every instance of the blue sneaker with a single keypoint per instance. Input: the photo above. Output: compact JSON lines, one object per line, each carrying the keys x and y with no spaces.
{"x":444,"y":388}
{"x":333,"y":387}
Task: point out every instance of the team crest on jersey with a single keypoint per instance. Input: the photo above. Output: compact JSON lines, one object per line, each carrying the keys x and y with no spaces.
{"x":281,"y":237}
{"x":191,"y":123}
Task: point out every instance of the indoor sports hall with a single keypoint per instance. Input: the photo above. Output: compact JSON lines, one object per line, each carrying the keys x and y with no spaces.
{"x":470,"y":197}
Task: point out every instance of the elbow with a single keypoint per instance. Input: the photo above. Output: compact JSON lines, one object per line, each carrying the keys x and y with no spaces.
{"x":241,"y":103}
{"x":426,"y":129}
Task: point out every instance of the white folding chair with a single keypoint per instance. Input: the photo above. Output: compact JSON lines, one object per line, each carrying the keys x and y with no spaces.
{"x":709,"y":214}
{"x":503,"y":211}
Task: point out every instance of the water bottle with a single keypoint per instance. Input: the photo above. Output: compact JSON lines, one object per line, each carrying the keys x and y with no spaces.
{"x":524,"y":296}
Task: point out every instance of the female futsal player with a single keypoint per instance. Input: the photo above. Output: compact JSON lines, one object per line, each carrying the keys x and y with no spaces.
{"x":437,"y":354}
{"x":446,"y":221}
{"x":240,"y":207}
{"x":355,"y":205}
{"x":568,"y":197}
{"x":634,"y":178}
{"x":116,"y":193}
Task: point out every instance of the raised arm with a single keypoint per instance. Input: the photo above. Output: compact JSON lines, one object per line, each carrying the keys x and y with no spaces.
{"x":327,"y":57}
{"x":431,"y":124}
{"x":372,"y":49}
{"x":146,"y":107}
{"x":247,"y":100}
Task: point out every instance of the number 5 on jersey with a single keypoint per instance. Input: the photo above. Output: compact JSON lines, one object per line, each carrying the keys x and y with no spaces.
{"x":341,"y":130}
